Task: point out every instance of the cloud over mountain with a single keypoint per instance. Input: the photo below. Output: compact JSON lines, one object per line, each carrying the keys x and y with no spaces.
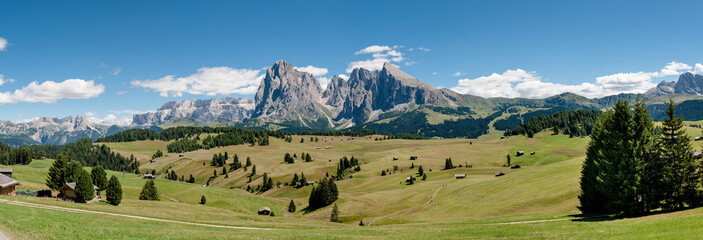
{"x":209,"y":81}
{"x":51,"y":92}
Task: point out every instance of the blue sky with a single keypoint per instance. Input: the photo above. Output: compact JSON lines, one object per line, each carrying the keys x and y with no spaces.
{"x":111,"y":59}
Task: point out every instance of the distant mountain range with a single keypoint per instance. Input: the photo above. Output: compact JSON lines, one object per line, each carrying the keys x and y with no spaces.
{"x":388,"y":100}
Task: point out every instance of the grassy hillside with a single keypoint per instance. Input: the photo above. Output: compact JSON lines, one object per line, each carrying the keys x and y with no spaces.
{"x":545,"y":188}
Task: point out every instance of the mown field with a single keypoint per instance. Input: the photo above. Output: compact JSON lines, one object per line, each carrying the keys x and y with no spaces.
{"x":544,"y":188}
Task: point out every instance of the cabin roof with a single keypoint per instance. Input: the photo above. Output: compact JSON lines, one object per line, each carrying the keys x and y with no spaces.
{"x":6,"y":181}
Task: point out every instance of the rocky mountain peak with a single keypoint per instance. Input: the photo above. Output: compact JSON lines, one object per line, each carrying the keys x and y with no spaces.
{"x":208,"y":110}
{"x":286,"y":93}
{"x":688,"y":83}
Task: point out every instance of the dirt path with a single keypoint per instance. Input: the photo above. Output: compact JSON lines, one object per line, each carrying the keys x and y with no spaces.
{"x":65,"y":209}
{"x":3,"y":236}
{"x":170,"y":198}
{"x":408,"y":209}
{"x":534,"y":221}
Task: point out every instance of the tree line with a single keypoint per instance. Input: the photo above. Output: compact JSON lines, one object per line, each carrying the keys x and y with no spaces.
{"x":632,"y":168}
{"x":575,"y":123}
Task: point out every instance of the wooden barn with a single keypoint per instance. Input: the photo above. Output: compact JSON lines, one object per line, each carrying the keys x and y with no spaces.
{"x":68,"y":191}
{"x":264,"y":211}
{"x":7,"y":184}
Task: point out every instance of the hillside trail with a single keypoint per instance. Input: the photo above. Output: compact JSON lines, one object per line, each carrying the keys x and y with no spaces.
{"x":411,"y":208}
{"x":3,"y":236}
{"x":75,"y":210}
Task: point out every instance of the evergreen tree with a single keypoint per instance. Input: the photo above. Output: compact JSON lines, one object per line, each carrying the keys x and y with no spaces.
{"x":420,"y":171}
{"x":303,"y":181}
{"x":203,"y":200}
{"x":84,"y":186}
{"x":114,"y":191}
{"x":248,"y":162}
{"x":191,"y":179}
{"x":448,"y":163}
{"x":291,"y":206}
{"x":508,"y":158}
{"x":71,"y":172}
{"x":334,"y":217}
{"x":295,"y":180}
{"x":361,"y":223}
{"x":683,"y":176}
{"x":99,"y":178}
{"x":383,"y":173}
{"x":149,"y":191}
{"x":55,"y":179}
{"x":424,"y":177}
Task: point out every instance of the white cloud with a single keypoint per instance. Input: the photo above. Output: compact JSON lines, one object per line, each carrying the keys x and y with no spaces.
{"x":121,"y":92}
{"x":698,"y":68}
{"x":323,"y":82}
{"x":3,"y":44}
{"x":3,"y":80}
{"x":116,"y":71}
{"x":434,"y":73}
{"x":342,"y":76}
{"x":109,"y":119}
{"x":521,"y":83}
{"x":207,"y":81}
{"x":51,"y":92}
{"x":315,"y":71}
{"x":373,"y":49}
{"x":372,"y":64}
{"x":456,"y":74}
{"x":423,"y":49}
{"x":380,"y":55}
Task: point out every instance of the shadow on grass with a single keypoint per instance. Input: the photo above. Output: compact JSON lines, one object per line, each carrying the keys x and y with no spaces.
{"x":310,"y":209}
{"x":606,"y":217}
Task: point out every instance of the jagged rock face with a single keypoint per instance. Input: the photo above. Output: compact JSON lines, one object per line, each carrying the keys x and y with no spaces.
{"x":231,"y":109}
{"x":336,"y":93}
{"x":287,"y":94}
{"x":687,"y":84}
{"x":390,"y":89}
{"x":46,"y":130}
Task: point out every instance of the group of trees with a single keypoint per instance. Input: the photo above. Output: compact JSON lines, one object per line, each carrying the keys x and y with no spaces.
{"x":299,"y":182}
{"x":345,"y":165}
{"x":172,"y":175}
{"x":357,"y":133}
{"x":183,"y":145}
{"x":219,"y":160}
{"x":324,"y":194}
{"x":575,"y":123}
{"x":186,"y":132}
{"x":9,"y":156}
{"x":631,"y":167}
{"x":267,"y":183}
{"x":158,"y":154}
{"x":237,"y":165}
{"x":303,"y":156}
{"x":90,"y":156}
{"x":448,"y":164}
{"x":62,"y":172}
{"x":416,"y":122}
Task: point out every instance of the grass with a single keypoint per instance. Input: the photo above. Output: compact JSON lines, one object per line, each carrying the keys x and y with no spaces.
{"x":546,"y":187}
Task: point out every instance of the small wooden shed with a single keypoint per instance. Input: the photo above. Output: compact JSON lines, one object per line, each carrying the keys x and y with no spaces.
{"x":7,"y":185}
{"x":459,"y":176}
{"x":68,"y":191}
{"x":520,"y":153}
{"x":514,"y":166}
{"x":149,"y":176}
{"x":264,"y":211}
{"x":498,"y":174}
{"x":413,"y":157}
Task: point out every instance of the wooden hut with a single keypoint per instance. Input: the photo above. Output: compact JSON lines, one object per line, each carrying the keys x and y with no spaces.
{"x":498,"y":174}
{"x":68,"y":191}
{"x":520,"y":153}
{"x":514,"y":166}
{"x":459,"y":176}
{"x":264,"y":211}
{"x":413,"y":157}
{"x":7,"y":185}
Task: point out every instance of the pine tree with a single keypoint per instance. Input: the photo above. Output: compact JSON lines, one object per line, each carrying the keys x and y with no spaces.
{"x":361,"y":223}
{"x":448,"y":163}
{"x":71,"y":171}
{"x":291,"y":206}
{"x":55,"y":179}
{"x":334,"y":217}
{"x":650,"y":165}
{"x":424,"y":177}
{"x":248,"y":162}
{"x":114,"y":191}
{"x":149,"y":191}
{"x":420,"y":171}
{"x":191,"y":179}
{"x":591,"y":198}
{"x":99,"y":178}
{"x":203,"y":200}
{"x":383,"y":173}
{"x":84,"y":186}
{"x":508,"y":158}
{"x":295,"y":180}
{"x":677,"y":153}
